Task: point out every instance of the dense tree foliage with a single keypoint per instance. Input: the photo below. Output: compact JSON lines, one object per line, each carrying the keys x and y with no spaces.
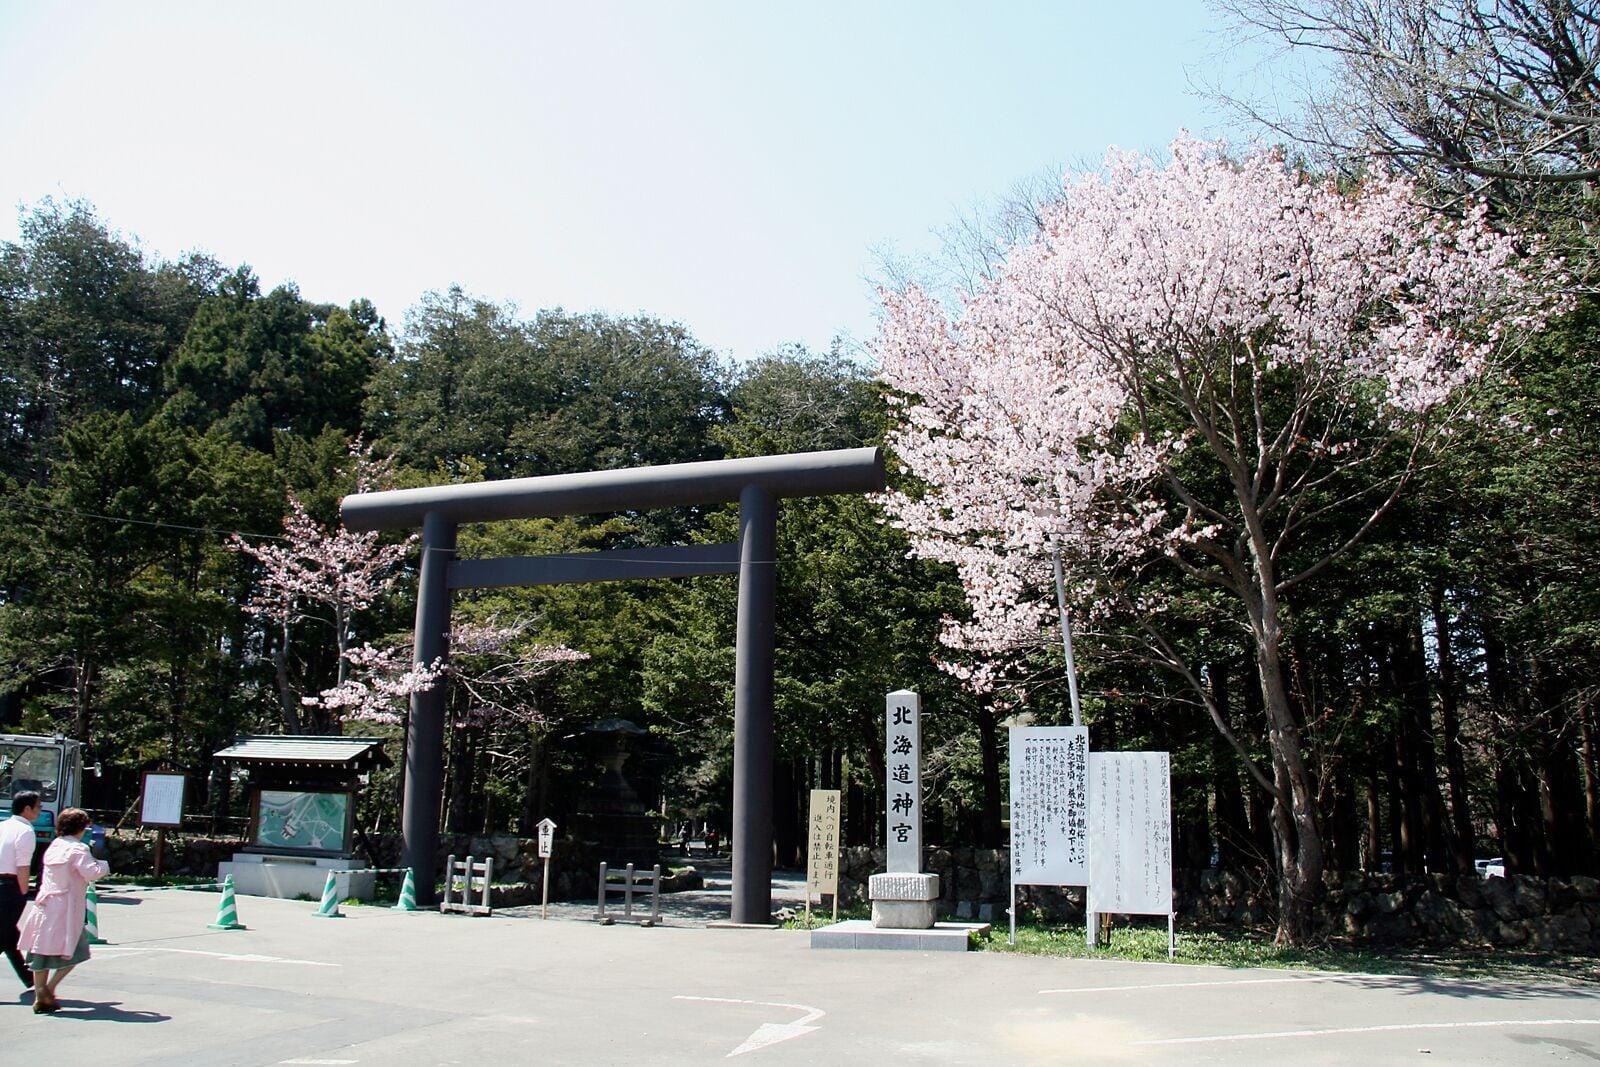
{"x":154,"y":415}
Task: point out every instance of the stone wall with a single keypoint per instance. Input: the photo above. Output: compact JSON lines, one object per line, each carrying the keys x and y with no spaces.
{"x":1546,"y":914}
{"x":573,"y":869}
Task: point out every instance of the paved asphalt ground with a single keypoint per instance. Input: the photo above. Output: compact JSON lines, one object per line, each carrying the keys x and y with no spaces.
{"x":384,"y":987}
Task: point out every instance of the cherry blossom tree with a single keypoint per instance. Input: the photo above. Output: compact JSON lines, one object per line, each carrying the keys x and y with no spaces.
{"x":320,"y":575}
{"x":1224,"y":369}
{"x":494,"y":705}
{"x":491,"y":666}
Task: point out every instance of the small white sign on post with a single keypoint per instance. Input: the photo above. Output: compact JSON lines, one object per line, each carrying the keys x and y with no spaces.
{"x":903,"y":765}
{"x":1049,"y":808}
{"x":161,"y":799}
{"x":1130,"y":836}
{"x":547,"y":845}
{"x":822,"y":849}
{"x":161,"y":806}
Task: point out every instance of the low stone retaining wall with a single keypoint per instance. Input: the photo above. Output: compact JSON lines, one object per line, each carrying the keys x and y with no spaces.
{"x":1546,"y":914}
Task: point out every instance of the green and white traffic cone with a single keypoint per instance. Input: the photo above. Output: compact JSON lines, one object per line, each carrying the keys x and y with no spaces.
{"x":91,"y":916}
{"x":329,"y":908}
{"x":227,"y":910}
{"x":408,"y":894}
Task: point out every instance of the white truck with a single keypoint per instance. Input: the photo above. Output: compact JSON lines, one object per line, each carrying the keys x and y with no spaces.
{"x":51,"y":767}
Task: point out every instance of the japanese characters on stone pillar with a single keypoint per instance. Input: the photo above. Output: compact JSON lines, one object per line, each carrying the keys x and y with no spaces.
{"x":903,"y":898}
{"x":903,"y":763}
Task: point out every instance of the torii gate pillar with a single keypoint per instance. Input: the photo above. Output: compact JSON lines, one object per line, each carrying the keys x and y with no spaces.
{"x":424,"y":792}
{"x":752,"y":707}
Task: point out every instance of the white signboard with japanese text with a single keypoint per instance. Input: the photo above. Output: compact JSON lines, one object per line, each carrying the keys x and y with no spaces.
{"x":1130,"y":833}
{"x":1050,"y":805}
{"x":547,"y":838}
{"x":903,"y":767}
{"x":822,"y":849}
{"x":161,"y":799}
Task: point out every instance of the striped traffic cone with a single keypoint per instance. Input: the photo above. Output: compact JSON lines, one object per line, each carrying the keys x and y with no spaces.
{"x":227,"y":910}
{"x":329,"y":908}
{"x":408,"y":894}
{"x":91,"y":916}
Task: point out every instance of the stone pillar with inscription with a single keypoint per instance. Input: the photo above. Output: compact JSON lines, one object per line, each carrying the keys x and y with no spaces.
{"x":903,"y":898}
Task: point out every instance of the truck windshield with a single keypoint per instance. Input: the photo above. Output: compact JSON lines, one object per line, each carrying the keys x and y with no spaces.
{"x":29,"y":767}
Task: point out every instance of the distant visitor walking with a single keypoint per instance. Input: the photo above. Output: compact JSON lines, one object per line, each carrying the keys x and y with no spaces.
{"x":52,"y":932}
{"x":17,"y":844}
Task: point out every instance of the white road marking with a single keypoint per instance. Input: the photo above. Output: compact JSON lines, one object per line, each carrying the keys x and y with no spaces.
{"x":1391,"y":1028}
{"x":317,"y":1061}
{"x":768,"y":1033}
{"x":237,"y":957}
{"x":1186,"y":985}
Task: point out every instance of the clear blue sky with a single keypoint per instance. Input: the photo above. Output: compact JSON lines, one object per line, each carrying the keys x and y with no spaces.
{"x":732,"y":166}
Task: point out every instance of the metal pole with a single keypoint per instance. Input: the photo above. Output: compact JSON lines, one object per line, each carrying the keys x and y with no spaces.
{"x":752,"y":708}
{"x":1066,"y":636}
{"x":425,"y":738}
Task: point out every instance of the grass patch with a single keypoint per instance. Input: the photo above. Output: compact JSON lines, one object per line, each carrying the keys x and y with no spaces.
{"x":824,"y":916}
{"x":150,"y":881}
{"x":1254,"y":948}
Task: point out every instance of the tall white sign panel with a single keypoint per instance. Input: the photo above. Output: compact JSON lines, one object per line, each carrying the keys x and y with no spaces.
{"x":1130,"y":833}
{"x":1049,"y":805}
{"x":903,"y":766}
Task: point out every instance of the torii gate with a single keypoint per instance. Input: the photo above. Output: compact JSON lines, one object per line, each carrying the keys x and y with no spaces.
{"x":757,"y":484}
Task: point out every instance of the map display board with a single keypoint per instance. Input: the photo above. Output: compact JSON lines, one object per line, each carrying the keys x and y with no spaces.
{"x":1130,"y":833}
{"x":822,"y":853}
{"x":1049,"y":805}
{"x":161,"y":799}
{"x":303,"y":822}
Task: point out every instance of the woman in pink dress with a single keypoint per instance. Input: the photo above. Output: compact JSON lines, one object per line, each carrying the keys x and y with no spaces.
{"x":52,"y":932}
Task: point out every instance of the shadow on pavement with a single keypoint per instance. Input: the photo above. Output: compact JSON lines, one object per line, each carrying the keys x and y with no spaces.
{"x":1577,"y":1048}
{"x":694,"y":907}
{"x":1490,"y":989}
{"x":107,"y":1011}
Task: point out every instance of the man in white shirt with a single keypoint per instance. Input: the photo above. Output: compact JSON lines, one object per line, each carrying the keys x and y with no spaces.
{"x":17,"y":843}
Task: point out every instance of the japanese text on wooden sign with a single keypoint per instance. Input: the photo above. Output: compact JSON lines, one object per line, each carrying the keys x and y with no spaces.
{"x":161,"y":799}
{"x":822,"y":851}
{"x":1130,"y":833}
{"x":1050,"y":805}
{"x":903,"y":765}
{"x":547,"y":837}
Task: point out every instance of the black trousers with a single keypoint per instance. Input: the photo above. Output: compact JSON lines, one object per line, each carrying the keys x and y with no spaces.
{"x":11,"y":904}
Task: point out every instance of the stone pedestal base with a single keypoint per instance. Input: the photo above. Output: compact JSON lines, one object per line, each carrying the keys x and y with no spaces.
{"x":289,"y":877}
{"x":859,"y":934}
{"x":903,"y":901}
{"x":903,"y":914}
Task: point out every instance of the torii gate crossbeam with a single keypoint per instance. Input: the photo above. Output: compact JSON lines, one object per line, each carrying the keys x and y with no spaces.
{"x":757,"y":484}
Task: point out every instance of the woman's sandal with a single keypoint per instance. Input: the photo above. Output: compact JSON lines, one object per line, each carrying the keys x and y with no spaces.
{"x":47,"y":1006}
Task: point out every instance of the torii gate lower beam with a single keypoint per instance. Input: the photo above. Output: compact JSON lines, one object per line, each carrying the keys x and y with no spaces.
{"x":757,"y":484}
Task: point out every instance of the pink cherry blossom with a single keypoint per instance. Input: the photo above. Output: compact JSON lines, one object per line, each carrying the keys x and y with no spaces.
{"x":1025,"y":417}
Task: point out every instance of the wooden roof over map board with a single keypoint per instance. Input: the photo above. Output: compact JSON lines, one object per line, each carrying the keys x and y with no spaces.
{"x":352,"y":755}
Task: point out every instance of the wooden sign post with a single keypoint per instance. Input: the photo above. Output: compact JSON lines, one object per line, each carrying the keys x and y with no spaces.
{"x":161,"y":806}
{"x":822,"y":853}
{"x":547,"y":843}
